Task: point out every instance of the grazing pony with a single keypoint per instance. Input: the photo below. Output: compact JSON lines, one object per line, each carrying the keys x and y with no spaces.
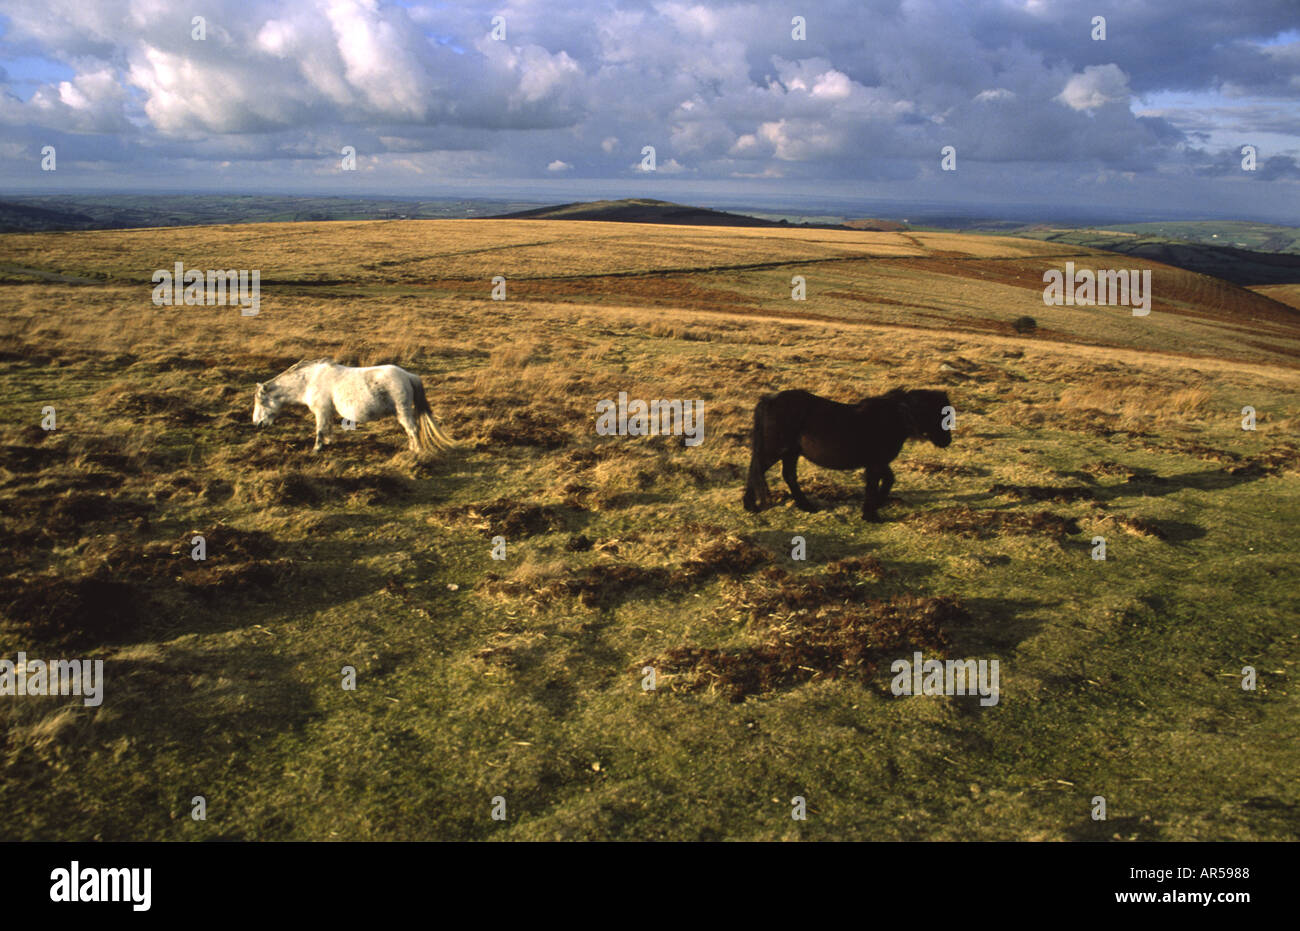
{"x":355,"y":394}
{"x":868,"y":434}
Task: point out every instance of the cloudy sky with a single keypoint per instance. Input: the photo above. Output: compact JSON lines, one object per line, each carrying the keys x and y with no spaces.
{"x":1153,"y":116}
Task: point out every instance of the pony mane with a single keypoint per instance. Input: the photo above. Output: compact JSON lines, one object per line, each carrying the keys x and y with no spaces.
{"x":303,"y":364}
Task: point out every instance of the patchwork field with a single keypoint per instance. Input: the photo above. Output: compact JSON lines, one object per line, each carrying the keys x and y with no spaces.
{"x":521,"y":678}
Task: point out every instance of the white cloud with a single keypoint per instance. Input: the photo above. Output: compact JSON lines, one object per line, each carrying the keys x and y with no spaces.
{"x":1096,"y":87}
{"x":696,"y":19}
{"x":280,"y":83}
{"x":833,"y":85}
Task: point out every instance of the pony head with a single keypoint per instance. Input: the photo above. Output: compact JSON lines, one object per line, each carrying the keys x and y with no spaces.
{"x":266,"y":405}
{"x":926,"y":411}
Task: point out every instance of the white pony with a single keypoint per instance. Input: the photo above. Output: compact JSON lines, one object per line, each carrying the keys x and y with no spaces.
{"x":355,"y":394}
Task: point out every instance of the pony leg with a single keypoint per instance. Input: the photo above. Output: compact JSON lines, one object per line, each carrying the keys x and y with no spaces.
{"x":791,"y":476}
{"x":878,"y":481}
{"x":322,"y":428}
{"x":871,"y":499}
{"x":757,"y":494}
{"x":406,"y":416}
{"x":886,"y":483}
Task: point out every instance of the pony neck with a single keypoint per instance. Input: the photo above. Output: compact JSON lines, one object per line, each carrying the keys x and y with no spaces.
{"x":295,"y":380}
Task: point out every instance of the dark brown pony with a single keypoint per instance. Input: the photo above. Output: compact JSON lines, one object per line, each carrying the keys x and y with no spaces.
{"x":865,"y":435}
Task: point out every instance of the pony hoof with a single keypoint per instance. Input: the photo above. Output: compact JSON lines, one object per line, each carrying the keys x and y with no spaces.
{"x":807,"y":506}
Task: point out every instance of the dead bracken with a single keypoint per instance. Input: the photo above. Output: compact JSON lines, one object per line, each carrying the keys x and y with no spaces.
{"x":1108,"y":468}
{"x":983,"y":524}
{"x":511,"y":517}
{"x":78,"y":508}
{"x":111,"y":600}
{"x":607,"y":585}
{"x":1134,"y":525}
{"x":526,"y":428}
{"x":847,"y":643}
{"x":299,"y":487}
{"x":77,"y":612}
{"x":172,"y":407}
{"x":776,"y":590}
{"x":1061,"y":494}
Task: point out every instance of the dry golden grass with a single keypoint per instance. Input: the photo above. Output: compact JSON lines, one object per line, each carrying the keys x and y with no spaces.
{"x":640,"y":548}
{"x":1136,"y":404}
{"x":1285,"y":293}
{"x":896,"y":279}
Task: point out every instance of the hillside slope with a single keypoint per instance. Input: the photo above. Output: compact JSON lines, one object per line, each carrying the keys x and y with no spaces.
{"x":946,"y":281}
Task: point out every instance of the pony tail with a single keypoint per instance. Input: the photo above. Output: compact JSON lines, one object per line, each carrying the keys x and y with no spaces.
{"x":757,"y":494}
{"x":430,"y":430}
{"x":433,"y":434}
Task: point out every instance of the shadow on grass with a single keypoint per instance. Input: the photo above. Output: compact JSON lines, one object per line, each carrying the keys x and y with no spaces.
{"x":1000,"y":624}
{"x":145,"y":591}
{"x":1145,"y":483}
{"x":164,"y":705}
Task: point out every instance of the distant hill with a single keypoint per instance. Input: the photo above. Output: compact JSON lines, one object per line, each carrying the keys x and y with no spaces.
{"x":38,"y":213}
{"x":647,"y":210}
{"x":1231,"y":263}
{"x":19,"y":217}
{"x":1257,"y":237}
{"x":1240,"y":266}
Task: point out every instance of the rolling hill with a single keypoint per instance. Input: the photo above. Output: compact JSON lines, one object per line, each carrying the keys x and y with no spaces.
{"x":1246,"y":267}
{"x":643,"y":210}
